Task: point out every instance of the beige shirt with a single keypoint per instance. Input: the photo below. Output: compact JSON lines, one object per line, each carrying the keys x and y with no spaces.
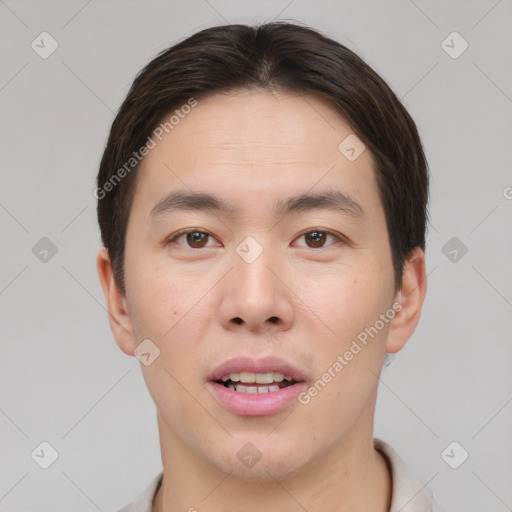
{"x":409,"y":493}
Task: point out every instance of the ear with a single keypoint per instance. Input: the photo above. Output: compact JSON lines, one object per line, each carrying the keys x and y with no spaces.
{"x":411,"y":296}
{"x":119,"y":318}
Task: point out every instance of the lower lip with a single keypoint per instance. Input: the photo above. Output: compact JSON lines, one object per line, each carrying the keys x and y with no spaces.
{"x":255,"y":404}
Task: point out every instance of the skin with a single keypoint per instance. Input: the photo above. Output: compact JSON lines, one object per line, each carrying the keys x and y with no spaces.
{"x":254,"y":148}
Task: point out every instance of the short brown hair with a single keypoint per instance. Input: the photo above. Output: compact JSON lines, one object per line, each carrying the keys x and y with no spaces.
{"x":273,"y":56}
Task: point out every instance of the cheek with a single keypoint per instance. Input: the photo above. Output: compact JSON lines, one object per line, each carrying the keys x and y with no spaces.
{"x":175,"y":311}
{"x":169,"y":312}
{"x":343,"y":300}
{"x":160,"y":296}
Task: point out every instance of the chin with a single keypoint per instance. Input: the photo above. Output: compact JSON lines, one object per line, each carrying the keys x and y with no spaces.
{"x":259,"y":460}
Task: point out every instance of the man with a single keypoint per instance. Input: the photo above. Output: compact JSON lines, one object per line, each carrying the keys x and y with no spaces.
{"x":262,"y":200}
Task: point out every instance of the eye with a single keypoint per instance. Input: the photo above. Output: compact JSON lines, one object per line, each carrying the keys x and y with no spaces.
{"x":194,"y":238}
{"x":317,"y":237}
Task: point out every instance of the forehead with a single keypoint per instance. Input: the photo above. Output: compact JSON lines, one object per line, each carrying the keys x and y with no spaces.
{"x":288,"y":124}
{"x":255,"y":144}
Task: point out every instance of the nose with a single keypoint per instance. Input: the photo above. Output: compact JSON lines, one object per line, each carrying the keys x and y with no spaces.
{"x":256,"y":293}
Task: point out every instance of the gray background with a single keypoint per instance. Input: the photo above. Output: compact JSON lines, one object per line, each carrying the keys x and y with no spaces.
{"x":62,"y":378}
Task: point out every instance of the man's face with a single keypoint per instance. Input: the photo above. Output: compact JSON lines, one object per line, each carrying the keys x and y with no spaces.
{"x":300,"y":287}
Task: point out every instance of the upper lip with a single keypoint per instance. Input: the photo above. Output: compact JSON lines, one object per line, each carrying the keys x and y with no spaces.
{"x":252,"y":365}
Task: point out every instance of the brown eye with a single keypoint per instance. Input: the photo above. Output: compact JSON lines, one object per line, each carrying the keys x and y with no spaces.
{"x":196,"y":239}
{"x":317,"y":238}
{"x":193,"y":239}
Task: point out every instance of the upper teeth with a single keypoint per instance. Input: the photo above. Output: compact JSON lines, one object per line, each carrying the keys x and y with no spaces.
{"x":259,"y":378}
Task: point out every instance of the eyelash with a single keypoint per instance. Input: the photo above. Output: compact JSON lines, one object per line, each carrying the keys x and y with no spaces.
{"x":185,"y":232}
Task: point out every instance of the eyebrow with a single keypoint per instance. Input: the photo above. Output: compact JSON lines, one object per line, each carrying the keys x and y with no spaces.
{"x":333,"y":200}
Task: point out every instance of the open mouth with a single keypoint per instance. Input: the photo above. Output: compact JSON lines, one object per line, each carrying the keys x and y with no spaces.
{"x":252,"y":383}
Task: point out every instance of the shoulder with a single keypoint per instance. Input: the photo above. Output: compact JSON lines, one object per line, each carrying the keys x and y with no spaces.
{"x":409,"y":493}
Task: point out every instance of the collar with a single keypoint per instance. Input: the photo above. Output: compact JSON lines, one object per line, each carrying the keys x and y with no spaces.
{"x":409,"y":493}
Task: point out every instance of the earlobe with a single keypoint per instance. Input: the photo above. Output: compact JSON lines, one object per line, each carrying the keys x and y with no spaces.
{"x":119,"y":318}
{"x":411,"y":297}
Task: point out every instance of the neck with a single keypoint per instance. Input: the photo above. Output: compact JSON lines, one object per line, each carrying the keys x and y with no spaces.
{"x":350,"y":476}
